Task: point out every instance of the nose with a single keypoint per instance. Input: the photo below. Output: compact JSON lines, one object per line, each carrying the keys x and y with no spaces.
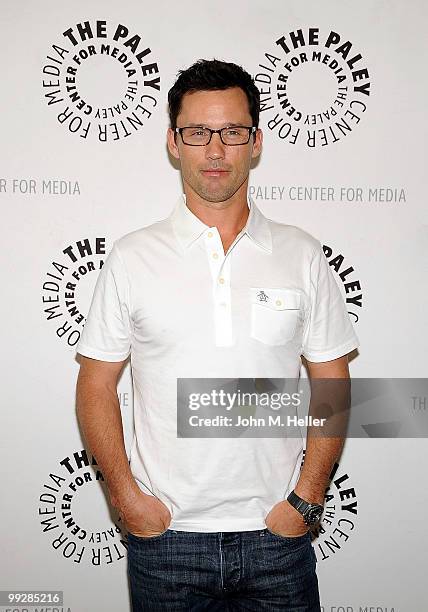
{"x":215,"y":149}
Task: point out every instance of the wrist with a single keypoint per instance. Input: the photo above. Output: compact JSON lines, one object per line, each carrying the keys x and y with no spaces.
{"x":310,"y":511}
{"x":125,"y":496}
{"x":309,"y":494}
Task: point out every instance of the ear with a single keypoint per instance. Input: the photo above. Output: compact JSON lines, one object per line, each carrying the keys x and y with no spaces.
{"x":257,"y":143}
{"x":172,"y":145}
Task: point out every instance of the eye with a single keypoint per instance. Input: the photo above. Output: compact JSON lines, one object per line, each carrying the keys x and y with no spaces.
{"x":198,"y":132}
{"x":232,"y":132}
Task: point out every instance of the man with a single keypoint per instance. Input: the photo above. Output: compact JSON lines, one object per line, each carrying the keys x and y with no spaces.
{"x":216,"y":290}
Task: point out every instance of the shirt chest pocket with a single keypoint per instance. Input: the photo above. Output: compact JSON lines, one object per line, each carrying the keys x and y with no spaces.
{"x":275,"y":314}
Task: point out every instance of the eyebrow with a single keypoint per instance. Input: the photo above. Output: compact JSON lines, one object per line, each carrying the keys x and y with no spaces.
{"x":205,"y":125}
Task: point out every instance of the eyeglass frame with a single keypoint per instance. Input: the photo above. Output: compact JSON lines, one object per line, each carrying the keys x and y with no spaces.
{"x":251,"y":130}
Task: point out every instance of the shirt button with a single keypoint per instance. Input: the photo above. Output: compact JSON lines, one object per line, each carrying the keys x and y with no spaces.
{"x":215,"y":255}
{"x":210,"y":234}
{"x":221,"y":281}
{"x":278,"y":302}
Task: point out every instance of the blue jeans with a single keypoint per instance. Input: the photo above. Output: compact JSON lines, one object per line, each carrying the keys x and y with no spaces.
{"x":239,"y":570}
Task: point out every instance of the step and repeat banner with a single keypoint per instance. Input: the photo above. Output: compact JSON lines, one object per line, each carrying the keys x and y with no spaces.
{"x":84,"y":161}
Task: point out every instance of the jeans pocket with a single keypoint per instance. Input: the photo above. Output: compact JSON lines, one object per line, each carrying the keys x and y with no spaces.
{"x":290,"y":539}
{"x":132,"y":536}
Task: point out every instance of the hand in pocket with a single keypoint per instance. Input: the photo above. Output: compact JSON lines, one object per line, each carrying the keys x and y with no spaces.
{"x":145,"y":515}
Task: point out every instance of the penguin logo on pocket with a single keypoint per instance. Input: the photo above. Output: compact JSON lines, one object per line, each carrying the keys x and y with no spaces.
{"x":262,"y":296}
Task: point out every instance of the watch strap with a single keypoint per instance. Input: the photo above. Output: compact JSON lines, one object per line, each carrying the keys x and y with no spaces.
{"x":297,"y":502}
{"x":304,"y":507}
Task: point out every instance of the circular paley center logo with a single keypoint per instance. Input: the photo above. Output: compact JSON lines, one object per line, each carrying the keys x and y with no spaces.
{"x":339,"y":518}
{"x":66,"y":513}
{"x":314,"y":87}
{"x":351,"y":286}
{"x":101,"y":80}
{"x":68,"y":287}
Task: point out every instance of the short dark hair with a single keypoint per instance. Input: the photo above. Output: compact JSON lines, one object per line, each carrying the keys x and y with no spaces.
{"x":210,"y":75}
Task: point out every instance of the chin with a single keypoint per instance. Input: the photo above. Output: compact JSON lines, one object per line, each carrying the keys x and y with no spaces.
{"x":215,"y":197}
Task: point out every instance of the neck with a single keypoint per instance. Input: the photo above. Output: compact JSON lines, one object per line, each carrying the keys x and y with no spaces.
{"x":229,"y":216}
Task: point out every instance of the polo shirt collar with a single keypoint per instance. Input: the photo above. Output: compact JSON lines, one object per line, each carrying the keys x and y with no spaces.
{"x":257,"y":227}
{"x":188,"y":227}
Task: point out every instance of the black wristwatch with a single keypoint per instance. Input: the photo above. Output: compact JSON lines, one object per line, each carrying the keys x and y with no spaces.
{"x":311,"y":512}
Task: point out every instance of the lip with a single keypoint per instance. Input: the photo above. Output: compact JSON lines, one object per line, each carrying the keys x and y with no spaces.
{"x":214,"y":172}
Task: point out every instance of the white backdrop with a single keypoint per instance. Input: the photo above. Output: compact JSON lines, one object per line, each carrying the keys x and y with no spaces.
{"x":62,"y":187}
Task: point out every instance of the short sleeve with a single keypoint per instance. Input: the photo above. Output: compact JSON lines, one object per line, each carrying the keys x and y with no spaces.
{"x":107,"y":332}
{"x":329,"y":333}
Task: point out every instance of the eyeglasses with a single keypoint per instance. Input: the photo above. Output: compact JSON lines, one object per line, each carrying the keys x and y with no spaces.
{"x":200,"y":136}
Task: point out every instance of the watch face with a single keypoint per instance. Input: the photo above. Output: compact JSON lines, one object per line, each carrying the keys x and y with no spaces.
{"x":313,"y":515}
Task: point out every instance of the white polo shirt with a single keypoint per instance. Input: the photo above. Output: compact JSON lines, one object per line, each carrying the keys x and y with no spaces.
{"x":169,"y":296}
